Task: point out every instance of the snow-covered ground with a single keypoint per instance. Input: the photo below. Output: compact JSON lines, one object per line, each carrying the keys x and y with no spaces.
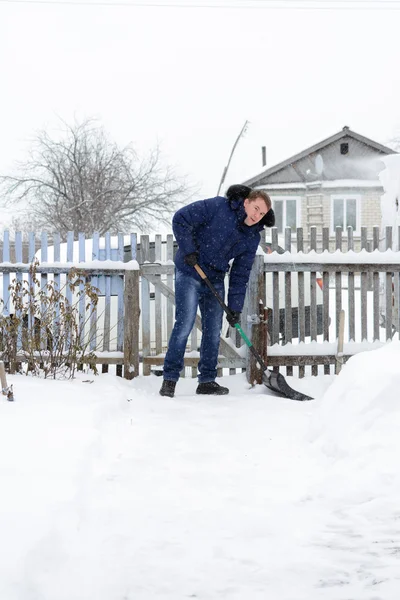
{"x":111,"y":492}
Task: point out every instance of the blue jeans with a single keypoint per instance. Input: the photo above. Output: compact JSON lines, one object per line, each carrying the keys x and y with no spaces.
{"x":189,"y":294}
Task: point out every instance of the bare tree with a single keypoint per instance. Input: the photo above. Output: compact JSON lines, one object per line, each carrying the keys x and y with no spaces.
{"x":84,"y":182}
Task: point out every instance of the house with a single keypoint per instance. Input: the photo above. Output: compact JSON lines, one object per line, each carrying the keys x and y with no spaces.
{"x":333,"y":183}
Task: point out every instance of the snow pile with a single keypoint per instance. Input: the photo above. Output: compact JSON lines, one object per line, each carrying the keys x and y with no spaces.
{"x":359,"y":416}
{"x":357,"y":425}
{"x":356,"y":446}
{"x":110,"y":492}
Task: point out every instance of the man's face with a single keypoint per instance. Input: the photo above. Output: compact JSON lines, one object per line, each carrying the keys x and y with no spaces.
{"x":255,"y":211}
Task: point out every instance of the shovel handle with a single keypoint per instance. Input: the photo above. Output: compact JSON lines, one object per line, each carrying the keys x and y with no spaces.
{"x":228,"y":312}
{"x":212,"y":288}
{"x":200,"y":271}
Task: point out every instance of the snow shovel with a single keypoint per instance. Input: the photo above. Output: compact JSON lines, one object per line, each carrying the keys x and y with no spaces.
{"x":273,"y":381}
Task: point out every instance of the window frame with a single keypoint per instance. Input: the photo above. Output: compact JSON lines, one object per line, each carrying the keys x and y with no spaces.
{"x":297,"y":199}
{"x":345,"y":197}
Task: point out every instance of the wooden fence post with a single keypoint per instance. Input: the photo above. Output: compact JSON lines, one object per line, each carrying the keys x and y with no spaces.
{"x":131,"y":325}
{"x":255,"y":295}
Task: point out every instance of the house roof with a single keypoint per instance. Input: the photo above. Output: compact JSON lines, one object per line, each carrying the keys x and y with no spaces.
{"x":346,"y":132}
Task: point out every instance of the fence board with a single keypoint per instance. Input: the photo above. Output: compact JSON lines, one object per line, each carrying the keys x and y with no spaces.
{"x":6,"y":276}
{"x":388,"y":282}
{"x":120,"y":302}
{"x":300,"y":287}
{"x":18,"y":258}
{"x":95,"y":283}
{"x":338,"y":283}
{"x":375,"y":285}
{"x":43,"y":287}
{"x":107,"y":301}
{"x":351,"y":289}
{"x":131,"y":316}
{"x":397,"y":286}
{"x":157,"y":300}
{"x":288,"y":298}
{"x":82,"y":311}
{"x":313,"y":296}
{"x":146,"y":336}
{"x":57,"y":255}
{"x":31,"y":283}
{"x":364,"y":290}
{"x":275,"y":293}
{"x":325,"y":295}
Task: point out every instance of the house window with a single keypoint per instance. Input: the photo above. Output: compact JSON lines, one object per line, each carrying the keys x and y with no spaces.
{"x":345,"y":212}
{"x":344,"y":148}
{"x":287,"y":212}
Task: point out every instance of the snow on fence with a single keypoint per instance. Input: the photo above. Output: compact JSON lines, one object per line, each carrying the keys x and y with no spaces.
{"x":295,"y":298}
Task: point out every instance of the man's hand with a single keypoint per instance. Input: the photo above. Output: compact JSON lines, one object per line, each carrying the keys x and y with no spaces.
{"x":191,"y":259}
{"x":233,"y":317}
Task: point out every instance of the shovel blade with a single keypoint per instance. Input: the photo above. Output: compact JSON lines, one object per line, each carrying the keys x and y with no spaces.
{"x":277,"y":383}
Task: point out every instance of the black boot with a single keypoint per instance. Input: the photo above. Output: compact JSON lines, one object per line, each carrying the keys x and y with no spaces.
{"x":213,"y":388}
{"x":168,"y":388}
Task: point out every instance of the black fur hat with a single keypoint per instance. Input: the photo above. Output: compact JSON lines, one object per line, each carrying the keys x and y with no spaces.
{"x":237,"y":192}
{"x":269,"y":219}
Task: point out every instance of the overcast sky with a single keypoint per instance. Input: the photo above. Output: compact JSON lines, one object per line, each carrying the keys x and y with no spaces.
{"x":188,"y":78}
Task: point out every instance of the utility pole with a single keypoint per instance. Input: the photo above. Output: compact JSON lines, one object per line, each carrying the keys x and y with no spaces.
{"x":243,"y":131}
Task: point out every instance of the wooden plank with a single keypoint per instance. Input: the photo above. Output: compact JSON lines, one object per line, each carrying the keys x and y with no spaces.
{"x":107,"y":301}
{"x":300,"y":287}
{"x":270,"y":266}
{"x":306,"y":360}
{"x":18,"y":312}
{"x":120,"y":302}
{"x":68,"y":291}
{"x":351,"y":290}
{"x":338,"y":282}
{"x":94,"y":283}
{"x":6,"y":276}
{"x":192,"y":362}
{"x":64,"y":269}
{"x":325,"y":295}
{"x":131,"y":325}
{"x":396,"y":282}
{"x":275,"y":268}
{"x":313,"y":297}
{"x":56,"y":283}
{"x":157,"y":300}
{"x":82,"y":299}
{"x":339,"y":355}
{"x":375,"y":288}
{"x":43,"y":288}
{"x":31,"y":283}
{"x":275,"y":292}
{"x":132,"y":317}
{"x":254,"y":294}
{"x":364,"y":291}
{"x":101,"y":360}
{"x":145,"y":303}
{"x":288,"y":298}
{"x":388,"y":290}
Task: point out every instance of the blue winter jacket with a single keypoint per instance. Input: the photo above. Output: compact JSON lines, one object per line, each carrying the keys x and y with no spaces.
{"x":215,"y":229}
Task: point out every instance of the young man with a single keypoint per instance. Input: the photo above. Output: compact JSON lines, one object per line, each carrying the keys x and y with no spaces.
{"x":211,"y":233}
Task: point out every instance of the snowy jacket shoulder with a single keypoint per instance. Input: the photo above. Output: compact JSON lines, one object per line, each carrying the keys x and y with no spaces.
{"x":215,"y":229}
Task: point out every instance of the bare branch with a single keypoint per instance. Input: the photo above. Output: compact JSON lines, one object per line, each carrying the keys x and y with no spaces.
{"x":84,"y":182}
